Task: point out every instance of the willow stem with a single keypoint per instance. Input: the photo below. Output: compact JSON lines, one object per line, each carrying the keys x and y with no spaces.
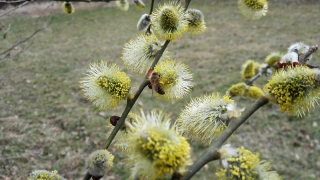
{"x":187,"y":4}
{"x":212,"y":153}
{"x":125,"y":114}
{"x":255,"y":77}
{"x":304,"y":58}
{"x":88,"y":1}
{"x":159,"y":54}
{"x":87,"y":176}
{"x":151,"y":8}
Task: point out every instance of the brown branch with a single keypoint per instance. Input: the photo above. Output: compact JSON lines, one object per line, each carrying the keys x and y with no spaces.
{"x":17,"y":7}
{"x":87,"y":176}
{"x":303,"y":58}
{"x":129,"y":105}
{"x":12,"y":1}
{"x":125,"y":114}
{"x":212,"y":153}
{"x":37,"y":30}
{"x":264,"y":70}
{"x":187,"y":4}
{"x":159,"y":54}
{"x":88,"y":1}
{"x":151,"y":8}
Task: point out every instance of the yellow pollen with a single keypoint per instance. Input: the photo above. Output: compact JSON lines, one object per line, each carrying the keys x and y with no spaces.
{"x":255,"y":4}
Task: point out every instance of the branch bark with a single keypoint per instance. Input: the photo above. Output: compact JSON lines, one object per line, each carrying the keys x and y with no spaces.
{"x":255,"y":77}
{"x":212,"y":152}
{"x":88,"y":1}
{"x":304,"y":58}
{"x":17,"y":7}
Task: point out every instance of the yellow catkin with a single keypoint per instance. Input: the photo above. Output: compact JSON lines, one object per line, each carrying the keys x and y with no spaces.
{"x":253,"y":92}
{"x":248,"y":69}
{"x":294,"y":90}
{"x":236,"y":90}
{"x":169,"y":21}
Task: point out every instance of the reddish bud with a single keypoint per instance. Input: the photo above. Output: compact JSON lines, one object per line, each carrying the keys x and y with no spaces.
{"x":114,"y":120}
{"x":96,"y":177}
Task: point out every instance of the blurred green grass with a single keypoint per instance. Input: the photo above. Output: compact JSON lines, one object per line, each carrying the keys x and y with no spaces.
{"x":46,"y":123}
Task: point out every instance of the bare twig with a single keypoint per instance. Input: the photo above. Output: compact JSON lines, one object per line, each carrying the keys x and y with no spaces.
{"x":159,"y":54}
{"x":28,"y":38}
{"x":11,"y":1}
{"x":303,"y":58}
{"x":212,"y":153}
{"x":36,"y":31}
{"x":17,"y":7}
{"x":6,"y":31}
{"x":22,"y":41}
{"x":151,"y":8}
{"x":263,"y":70}
{"x":88,"y":1}
{"x":87,"y":176}
{"x":187,"y":4}
{"x":125,"y":114}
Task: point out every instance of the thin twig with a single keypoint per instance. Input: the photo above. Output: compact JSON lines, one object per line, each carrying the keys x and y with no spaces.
{"x":187,"y":4}
{"x":212,"y":153}
{"x":17,"y":7}
{"x":251,"y":80}
{"x":88,"y":1}
{"x":37,"y":30}
{"x":11,"y":1}
{"x":7,"y":30}
{"x":87,"y":176}
{"x":303,"y":58}
{"x":23,"y":41}
{"x":159,"y":54}
{"x":125,"y":114}
{"x":264,"y":70}
{"x":151,"y":8}
{"x":131,"y":102}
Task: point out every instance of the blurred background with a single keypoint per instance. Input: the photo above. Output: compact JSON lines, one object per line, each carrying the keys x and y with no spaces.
{"x":45,"y":123}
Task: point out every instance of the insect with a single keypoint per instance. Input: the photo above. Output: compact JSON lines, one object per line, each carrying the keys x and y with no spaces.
{"x":155,"y":83}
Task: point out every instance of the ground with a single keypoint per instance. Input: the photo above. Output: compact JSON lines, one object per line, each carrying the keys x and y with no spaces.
{"x":46,"y":123}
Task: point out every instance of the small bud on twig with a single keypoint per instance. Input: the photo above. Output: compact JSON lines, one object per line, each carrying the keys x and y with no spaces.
{"x":114,"y":120}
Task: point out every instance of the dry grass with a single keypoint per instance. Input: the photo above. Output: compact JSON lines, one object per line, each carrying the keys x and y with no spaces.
{"x":46,"y":124}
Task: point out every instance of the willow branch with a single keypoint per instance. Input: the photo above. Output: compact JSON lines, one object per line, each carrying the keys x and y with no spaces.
{"x":212,"y":153}
{"x":88,"y":1}
{"x":36,"y":31}
{"x":130,"y":105}
{"x":251,"y":80}
{"x":187,"y":4}
{"x":159,"y":54}
{"x":17,"y":7}
{"x":303,"y":58}
{"x":11,"y":1}
{"x":125,"y":114}
{"x":255,"y":77}
{"x":151,"y":8}
{"x":132,"y":101}
{"x":87,"y":176}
